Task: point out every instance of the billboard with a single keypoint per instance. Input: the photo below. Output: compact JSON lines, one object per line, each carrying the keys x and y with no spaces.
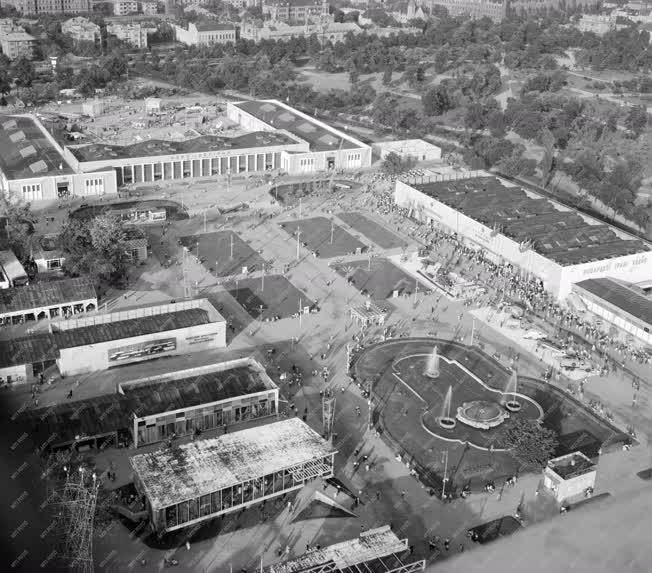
{"x":142,"y":349}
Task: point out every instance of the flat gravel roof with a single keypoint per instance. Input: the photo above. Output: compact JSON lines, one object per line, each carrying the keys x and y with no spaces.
{"x":25,"y":152}
{"x":189,"y":471}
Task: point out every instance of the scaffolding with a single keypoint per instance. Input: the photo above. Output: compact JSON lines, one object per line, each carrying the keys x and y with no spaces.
{"x":76,"y":504}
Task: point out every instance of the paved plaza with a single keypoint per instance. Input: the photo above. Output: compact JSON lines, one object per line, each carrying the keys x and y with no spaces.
{"x":378,"y":465}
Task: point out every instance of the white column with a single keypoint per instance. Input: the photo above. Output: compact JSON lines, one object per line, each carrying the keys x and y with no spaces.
{"x":192,"y":168}
{"x":246,"y":158}
{"x":273,"y":161}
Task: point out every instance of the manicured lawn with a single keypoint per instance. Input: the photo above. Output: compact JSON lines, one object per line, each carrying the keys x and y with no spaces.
{"x":324,"y":237}
{"x":279,"y":297}
{"x":381,"y":281}
{"x":372,"y":230}
{"x":224,"y":253}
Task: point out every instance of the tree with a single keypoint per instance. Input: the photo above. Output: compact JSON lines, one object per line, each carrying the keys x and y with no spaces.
{"x":387,"y":76}
{"x":94,"y":248}
{"x":436,"y":101}
{"x":20,"y":225}
{"x":394,"y":165}
{"x":23,"y":71}
{"x":531,"y":444}
{"x":636,"y":119}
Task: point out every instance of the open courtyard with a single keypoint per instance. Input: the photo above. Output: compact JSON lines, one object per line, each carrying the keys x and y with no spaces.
{"x":323,"y":237}
{"x":223,"y":253}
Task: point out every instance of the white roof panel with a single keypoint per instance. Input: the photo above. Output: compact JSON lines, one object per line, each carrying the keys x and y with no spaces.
{"x":201,"y":467}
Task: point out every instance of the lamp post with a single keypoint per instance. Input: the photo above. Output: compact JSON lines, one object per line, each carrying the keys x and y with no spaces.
{"x":443,"y":487}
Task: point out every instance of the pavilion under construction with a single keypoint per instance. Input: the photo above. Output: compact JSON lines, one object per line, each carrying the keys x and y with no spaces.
{"x":375,"y":551}
{"x":203,"y":479}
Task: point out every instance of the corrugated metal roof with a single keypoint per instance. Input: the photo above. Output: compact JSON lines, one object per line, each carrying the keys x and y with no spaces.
{"x":629,"y":300}
{"x":96,"y":333}
{"x":39,"y":295}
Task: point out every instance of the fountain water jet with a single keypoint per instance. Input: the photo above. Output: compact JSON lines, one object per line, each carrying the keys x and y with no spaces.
{"x":432,"y":368}
{"x":510,"y":402}
{"x":445,"y":420}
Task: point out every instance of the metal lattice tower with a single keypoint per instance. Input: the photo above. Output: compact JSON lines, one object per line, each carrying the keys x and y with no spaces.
{"x":328,"y":412}
{"x":76,"y":511}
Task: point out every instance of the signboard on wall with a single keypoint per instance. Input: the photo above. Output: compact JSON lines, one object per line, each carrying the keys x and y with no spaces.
{"x":147,"y":348}
{"x":201,"y":338}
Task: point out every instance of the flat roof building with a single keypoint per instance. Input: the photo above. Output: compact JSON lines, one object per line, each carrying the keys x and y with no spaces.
{"x":203,"y":479}
{"x":104,"y":340}
{"x":205,"y":156}
{"x":620,"y":304}
{"x":569,"y":476}
{"x":47,"y":300}
{"x":33,"y":166}
{"x":328,"y":148}
{"x":202,"y":398}
{"x":408,"y":149}
{"x":149,"y":410}
{"x":548,"y":241}
{"x":377,"y":550}
{"x":24,"y":358}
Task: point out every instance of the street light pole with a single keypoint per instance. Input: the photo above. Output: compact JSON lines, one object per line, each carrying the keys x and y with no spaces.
{"x":298,"y":242}
{"x":204,"y":220}
{"x":443,"y":487}
{"x":231,"y":245}
{"x":332,"y":230}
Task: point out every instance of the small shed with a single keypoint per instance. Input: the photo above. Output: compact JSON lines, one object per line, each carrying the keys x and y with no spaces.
{"x":153,"y":105}
{"x":569,"y":476}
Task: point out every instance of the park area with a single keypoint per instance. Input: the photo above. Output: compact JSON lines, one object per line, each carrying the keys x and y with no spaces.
{"x":372,"y":230}
{"x":223,"y":253}
{"x":323,"y":237}
{"x":379,"y":278}
{"x":410,"y":404}
{"x":273,"y":298}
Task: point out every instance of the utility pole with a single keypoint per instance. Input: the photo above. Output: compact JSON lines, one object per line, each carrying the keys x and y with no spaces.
{"x":416,"y":290}
{"x":369,"y":406}
{"x":204,"y":220}
{"x":300,"y":312}
{"x":231,"y":246}
{"x":298,"y":241}
{"x":332,"y":230}
{"x":186,"y":288}
{"x":443,"y":487}
{"x":300,"y":207}
{"x":473,"y":332}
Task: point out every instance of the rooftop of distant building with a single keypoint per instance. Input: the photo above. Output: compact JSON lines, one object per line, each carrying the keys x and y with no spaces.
{"x":280,"y":116}
{"x":378,"y":550}
{"x":45,"y":294}
{"x":189,"y":471}
{"x":564,"y":236}
{"x":25,"y":151}
{"x":206,"y":385}
{"x":130,"y":328}
{"x":626,"y":297}
{"x":571,"y":465}
{"x":156,"y":147}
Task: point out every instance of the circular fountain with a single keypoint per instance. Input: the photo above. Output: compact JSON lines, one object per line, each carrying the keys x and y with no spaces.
{"x":481,"y":414}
